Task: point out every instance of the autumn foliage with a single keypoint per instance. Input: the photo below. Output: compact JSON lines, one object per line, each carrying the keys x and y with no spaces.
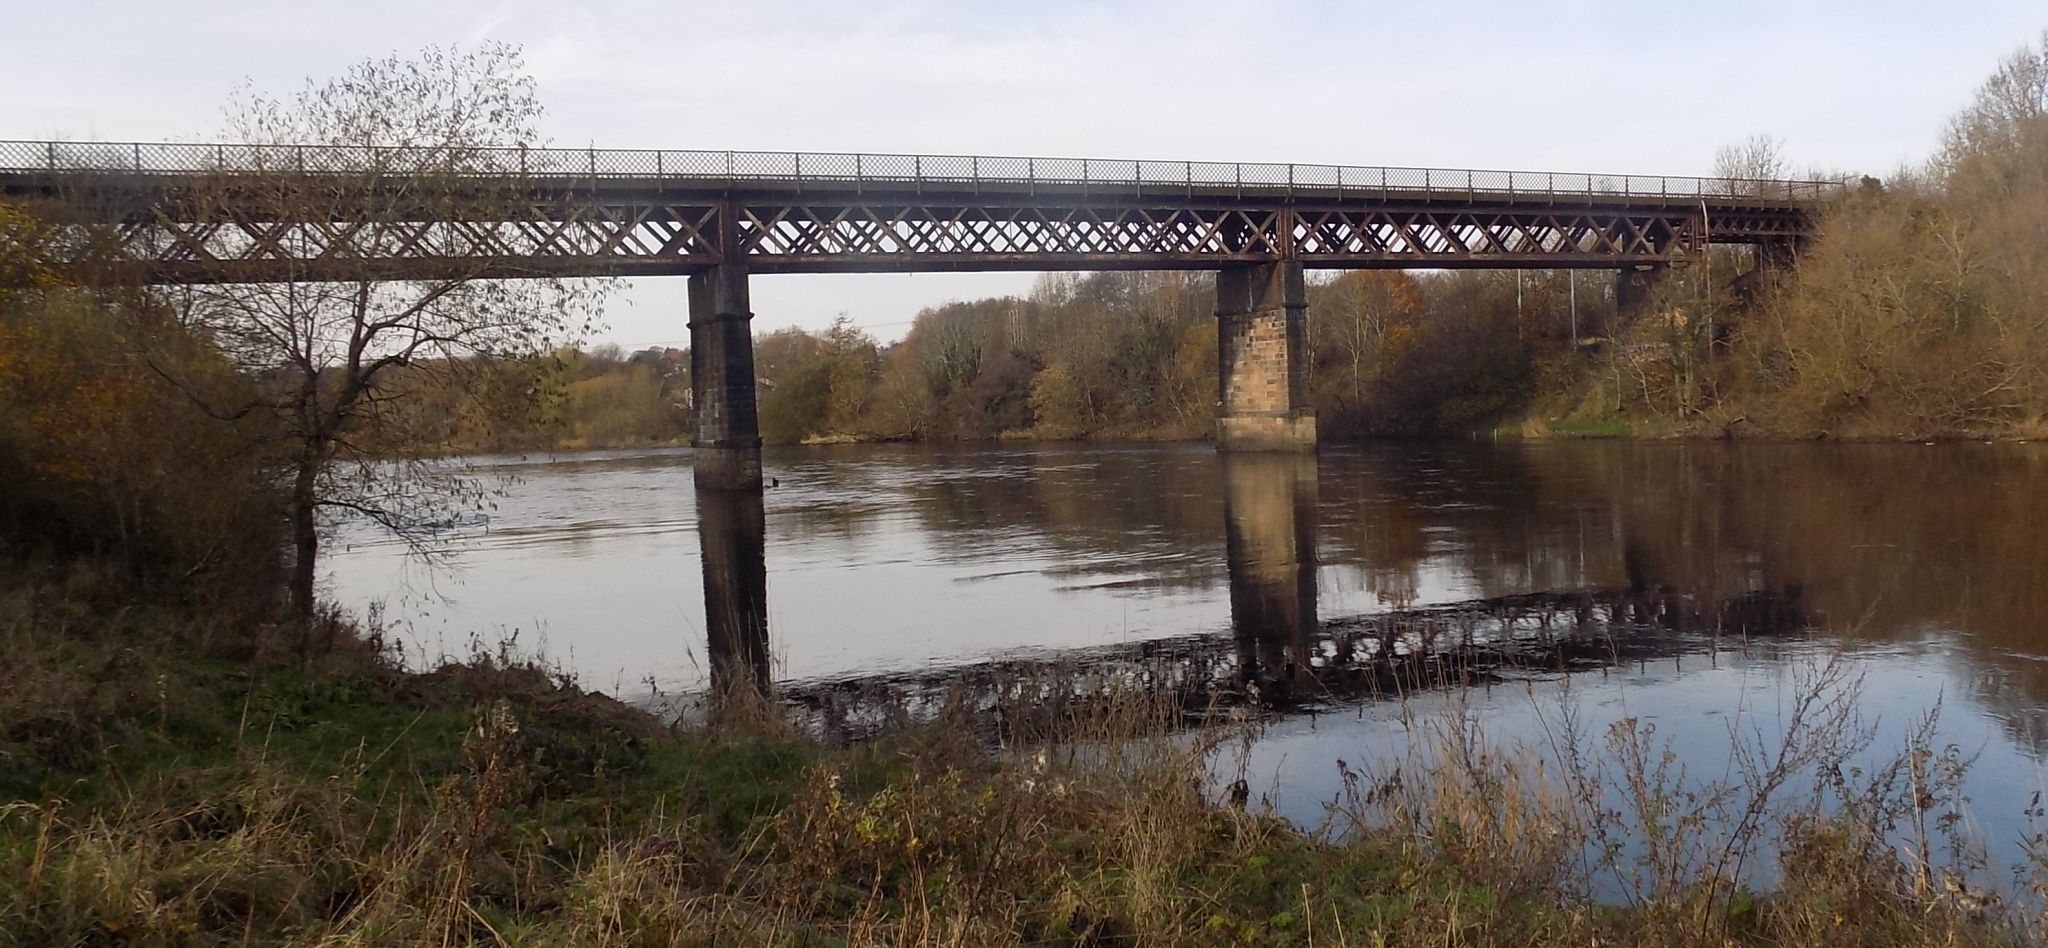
{"x":1923,"y":309}
{"x":99,"y":457}
{"x":23,"y":260}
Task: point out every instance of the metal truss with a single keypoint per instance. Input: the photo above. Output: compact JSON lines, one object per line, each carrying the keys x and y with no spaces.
{"x":151,"y":227}
{"x":811,"y":237}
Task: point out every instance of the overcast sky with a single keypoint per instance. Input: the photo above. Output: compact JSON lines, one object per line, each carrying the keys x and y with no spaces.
{"x":1639,"y":87}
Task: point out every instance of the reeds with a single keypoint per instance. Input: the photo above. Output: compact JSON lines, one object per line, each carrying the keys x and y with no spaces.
{"x":491,"y":803}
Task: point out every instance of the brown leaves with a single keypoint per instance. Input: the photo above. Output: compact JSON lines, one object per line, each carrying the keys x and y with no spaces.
{"x":24,"y":246}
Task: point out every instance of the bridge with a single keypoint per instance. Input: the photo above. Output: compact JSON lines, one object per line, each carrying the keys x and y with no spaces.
{"x":232,"y":213}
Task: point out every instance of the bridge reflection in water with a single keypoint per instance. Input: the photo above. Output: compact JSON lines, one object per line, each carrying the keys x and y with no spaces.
{"x":1278,"y":656}
{"x":1269,"y":512}
{"x":732,"y":538}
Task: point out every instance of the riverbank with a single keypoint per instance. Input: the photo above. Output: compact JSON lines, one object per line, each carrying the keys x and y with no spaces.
{"x":1736,"y":428}
{"x":1565,"y":428}
{"x":170,"y":777}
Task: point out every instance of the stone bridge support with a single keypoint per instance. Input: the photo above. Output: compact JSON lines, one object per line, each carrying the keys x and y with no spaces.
{"x":1633,"y":288}
{"x":1262,"y":356}
{"x":1773,"y":259}
{"x":1778,"y":255}
{"x":728,"y":438}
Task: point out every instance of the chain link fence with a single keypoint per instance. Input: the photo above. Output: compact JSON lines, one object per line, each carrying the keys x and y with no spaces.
{"x":799,"y":168}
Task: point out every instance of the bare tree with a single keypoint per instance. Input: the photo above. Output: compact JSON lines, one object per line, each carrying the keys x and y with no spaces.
{"x":1746,"y":165}
{"x":399,"y":160}
{"x":1359,"y":310}
{"x":2012,"y":99}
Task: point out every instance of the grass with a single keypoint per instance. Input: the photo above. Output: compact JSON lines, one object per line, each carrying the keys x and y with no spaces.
{"x":165,"y":782}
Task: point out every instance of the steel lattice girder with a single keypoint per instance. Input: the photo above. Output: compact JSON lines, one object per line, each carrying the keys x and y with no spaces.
{"x":640,"y":231}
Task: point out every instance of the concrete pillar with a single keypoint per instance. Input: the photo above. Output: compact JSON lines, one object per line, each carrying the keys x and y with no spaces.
{"x":1633,"y":287}
{"x":731,"y":536}
{"x":728,"y":437}
{"x":1262,"y":359}
{"x":1269,"y":510}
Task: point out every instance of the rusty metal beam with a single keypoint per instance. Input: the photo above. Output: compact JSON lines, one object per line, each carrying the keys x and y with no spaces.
{"x":337,"y":228}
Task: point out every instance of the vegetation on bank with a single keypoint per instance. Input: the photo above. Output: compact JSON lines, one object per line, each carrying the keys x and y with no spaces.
{"x":191,"y":753}
{"x":182,"y":761}
{"x":321,"y":391}
{"x":174,"y":777}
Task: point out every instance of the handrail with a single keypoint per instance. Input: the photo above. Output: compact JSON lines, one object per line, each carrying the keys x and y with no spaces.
{"x":861,"y":169}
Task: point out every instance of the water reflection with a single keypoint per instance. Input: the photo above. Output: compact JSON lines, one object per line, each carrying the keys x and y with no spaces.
{"x":1276,"y":653}
{"x":950,"y":563}
{"x":732,"y":537}
{"x":1269,"y":513}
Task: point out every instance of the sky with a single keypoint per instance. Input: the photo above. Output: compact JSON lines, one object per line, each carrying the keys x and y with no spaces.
{"x":1620,"y":87}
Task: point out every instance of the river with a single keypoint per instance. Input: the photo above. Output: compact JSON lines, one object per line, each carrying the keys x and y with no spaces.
{"x":1688,"y":585}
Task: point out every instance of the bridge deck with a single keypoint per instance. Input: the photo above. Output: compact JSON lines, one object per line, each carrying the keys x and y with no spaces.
{"x":591,"y":211}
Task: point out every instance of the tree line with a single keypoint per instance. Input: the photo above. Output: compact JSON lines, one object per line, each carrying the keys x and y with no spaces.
{"x":1114,"y":355}
{"x":1914,"y":313}
{"x":169,"y":425}
{"x":1134,"y":355}
{"x":1923,"y":308}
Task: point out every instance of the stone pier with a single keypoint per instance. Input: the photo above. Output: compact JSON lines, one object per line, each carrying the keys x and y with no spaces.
{"x":1779,"y":255}
{"x":1262,"y":359}
{"x":728,"y":438}
{"x":1633,"y":288}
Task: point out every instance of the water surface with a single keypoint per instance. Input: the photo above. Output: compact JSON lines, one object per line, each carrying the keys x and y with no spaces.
{"x":1685,"y":584}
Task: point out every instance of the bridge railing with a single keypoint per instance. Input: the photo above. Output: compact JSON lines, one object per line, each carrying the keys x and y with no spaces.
{"x":799,"y":168}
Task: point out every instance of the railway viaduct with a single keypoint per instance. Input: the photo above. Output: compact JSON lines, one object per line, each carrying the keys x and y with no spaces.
{"x":721,"y":218}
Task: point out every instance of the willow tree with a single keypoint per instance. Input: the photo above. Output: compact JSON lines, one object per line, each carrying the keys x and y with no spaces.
{"x":374,"y":211}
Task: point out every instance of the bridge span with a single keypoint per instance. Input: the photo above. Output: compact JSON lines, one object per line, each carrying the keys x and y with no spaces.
{"x":229,"y":213}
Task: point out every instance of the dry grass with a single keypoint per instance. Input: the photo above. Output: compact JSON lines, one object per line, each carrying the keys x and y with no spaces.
{"x":493,"y":803}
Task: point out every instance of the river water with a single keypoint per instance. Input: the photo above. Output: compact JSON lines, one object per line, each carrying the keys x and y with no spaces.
{"x":1692,"y":586}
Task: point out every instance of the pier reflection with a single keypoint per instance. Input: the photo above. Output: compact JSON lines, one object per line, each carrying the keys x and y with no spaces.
{"x":1285,"y":650}
{"x":731,"y":534}
{"x":1269,"y":509}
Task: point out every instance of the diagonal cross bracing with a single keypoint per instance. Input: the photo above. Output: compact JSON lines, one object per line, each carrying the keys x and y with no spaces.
{"x":629,"y":226}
